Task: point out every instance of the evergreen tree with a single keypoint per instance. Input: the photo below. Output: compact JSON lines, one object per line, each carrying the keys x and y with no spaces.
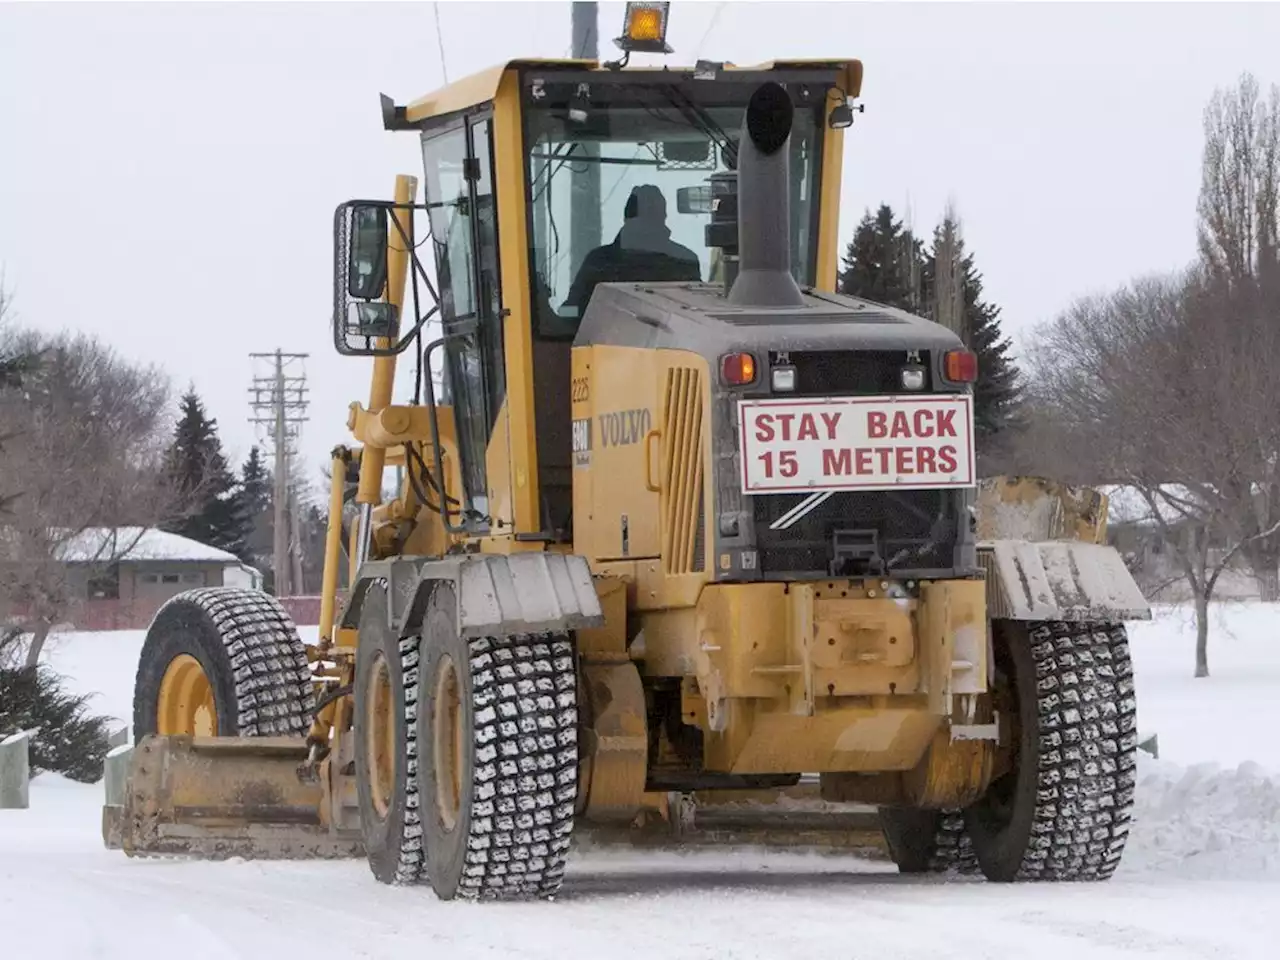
{"x":203,"y":481}
{"x":953,"y":291}
{"x":882,"y":262}
{"x":255,"y":511}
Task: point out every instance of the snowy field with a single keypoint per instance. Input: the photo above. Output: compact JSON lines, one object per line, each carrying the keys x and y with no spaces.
{"x":1201,"y":877}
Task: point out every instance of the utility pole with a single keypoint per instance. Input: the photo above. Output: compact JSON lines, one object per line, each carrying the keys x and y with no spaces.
{"x":280,"y":403}
{"x":584,"y":199}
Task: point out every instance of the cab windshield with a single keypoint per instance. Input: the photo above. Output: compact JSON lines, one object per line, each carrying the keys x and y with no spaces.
{"x":620,"y":193}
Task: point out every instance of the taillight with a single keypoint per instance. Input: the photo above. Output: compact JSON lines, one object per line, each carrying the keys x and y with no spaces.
{"x":737,"y":369}
{"x":960,"y":366}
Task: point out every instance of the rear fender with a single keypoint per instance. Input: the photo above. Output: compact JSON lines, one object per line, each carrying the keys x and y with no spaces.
{"x":497,"y":595}
{"x":1059,"y":580}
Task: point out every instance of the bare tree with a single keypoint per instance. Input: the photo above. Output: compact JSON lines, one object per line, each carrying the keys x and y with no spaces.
{"x":1239,"y":205}
{"x":1239,"y":222}
{"x":86,"y":434}
{"x":1167,"y":386}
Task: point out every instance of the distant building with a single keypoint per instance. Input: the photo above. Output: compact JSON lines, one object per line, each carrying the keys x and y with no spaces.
{"x":146,"y":566}
{"x":1150,"y":548}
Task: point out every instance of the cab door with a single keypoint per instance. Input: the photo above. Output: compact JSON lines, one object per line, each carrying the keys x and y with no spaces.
{"x":464,"y":236}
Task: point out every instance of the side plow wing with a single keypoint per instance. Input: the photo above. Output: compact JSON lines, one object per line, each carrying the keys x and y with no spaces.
{"x":214,"y":798}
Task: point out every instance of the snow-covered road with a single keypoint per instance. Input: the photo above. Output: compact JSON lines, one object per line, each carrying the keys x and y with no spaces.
{"x":68,"y":898}
{"x":1201,"y":877}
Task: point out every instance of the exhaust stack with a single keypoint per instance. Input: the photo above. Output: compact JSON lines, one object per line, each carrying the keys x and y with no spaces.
{"x":764,"y":199}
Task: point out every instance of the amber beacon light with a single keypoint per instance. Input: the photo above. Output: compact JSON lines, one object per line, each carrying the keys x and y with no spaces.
{"x":645,"y":29}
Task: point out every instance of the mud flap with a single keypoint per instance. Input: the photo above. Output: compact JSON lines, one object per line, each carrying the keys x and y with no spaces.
{"x":214,"y":798}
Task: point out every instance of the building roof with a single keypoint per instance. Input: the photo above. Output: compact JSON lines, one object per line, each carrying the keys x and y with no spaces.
{"x":1127,"y":505}
{"x":105,"y":543}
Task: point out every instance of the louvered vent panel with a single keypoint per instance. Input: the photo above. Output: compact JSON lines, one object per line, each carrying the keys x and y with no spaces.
{"x":682,"y":514}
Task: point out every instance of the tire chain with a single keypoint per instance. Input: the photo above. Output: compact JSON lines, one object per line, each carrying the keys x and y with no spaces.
{"x":952,"y":851}
{"x":268,"y":659}
{"x":1088,"y":739}
{"x":525,"y":776}
{"x":411,"y":869}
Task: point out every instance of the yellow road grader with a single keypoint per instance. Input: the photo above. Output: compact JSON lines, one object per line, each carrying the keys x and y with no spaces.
{"x":686,"y":542}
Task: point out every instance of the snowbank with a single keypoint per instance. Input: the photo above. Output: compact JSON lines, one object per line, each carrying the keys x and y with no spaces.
{"x":1205,"y":822}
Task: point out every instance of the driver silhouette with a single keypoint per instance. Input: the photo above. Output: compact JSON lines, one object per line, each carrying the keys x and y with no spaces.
{"x":642,"y":250}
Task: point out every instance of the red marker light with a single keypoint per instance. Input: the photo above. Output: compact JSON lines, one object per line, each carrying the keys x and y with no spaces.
{"x":960,"y":366}
{"x":737,"y":369}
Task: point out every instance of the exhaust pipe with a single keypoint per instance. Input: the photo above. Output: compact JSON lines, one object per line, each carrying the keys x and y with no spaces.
{"x":764,"y":216}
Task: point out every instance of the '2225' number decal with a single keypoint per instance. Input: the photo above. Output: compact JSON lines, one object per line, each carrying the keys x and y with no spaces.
{"x":580,"y":390}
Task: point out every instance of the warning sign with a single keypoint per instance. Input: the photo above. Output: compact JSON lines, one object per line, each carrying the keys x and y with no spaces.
{"x":856,"y":443}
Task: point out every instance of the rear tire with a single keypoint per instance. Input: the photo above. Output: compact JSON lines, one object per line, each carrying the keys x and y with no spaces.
{"x":1062,"y":813}
{"x":251,"y":656}
{"x":384,"y":728}
{"x":498,"y":777}
{"x":928,"y":841}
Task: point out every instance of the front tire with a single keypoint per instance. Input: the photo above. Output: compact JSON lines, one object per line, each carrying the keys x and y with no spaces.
{"x":1062,"y":813}
{"x":222,"y":661}
{"x":498,"y":749}
{"x":384,"y":727}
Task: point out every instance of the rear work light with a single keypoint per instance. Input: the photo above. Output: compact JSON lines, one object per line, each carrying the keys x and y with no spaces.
{"x":960,"y":366}
{"x":738,"y":369}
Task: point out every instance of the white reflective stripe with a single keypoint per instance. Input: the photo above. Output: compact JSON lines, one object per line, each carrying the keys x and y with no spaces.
{"x":800,"y":509}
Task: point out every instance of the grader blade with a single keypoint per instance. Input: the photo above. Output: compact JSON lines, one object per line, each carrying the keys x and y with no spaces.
{"x":214,"y":798}
{"x":796,"y":819}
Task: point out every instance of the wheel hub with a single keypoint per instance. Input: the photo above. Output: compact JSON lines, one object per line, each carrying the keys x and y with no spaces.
{"x":186,"y":706}
{"x":381,"y":735}
{"x":447,"y":728}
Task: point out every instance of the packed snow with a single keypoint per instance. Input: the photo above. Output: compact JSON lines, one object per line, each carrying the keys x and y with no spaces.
{"x":1200,"y":877}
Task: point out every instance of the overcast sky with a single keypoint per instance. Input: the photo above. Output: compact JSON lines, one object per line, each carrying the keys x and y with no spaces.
{"x":168,"y":172}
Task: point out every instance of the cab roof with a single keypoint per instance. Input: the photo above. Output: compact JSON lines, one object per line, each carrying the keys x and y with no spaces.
{"x":483,"y":86}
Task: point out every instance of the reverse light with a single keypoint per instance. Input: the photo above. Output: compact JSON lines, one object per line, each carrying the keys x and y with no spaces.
{"x":783,"y":379}
{"x":960,"y":366}
{"x":645,"y":28}
{"x":913,"y":378}
{"x":737,"y":369}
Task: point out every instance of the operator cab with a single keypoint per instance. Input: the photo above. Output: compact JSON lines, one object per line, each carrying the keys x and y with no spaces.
{"x":543,"y":180}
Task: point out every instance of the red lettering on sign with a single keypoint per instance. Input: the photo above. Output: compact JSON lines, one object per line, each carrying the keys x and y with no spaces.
{"x":924,"y":459}
{"x":886,"y":454}
{"x":877,"y":425}
{"x":946,"y":423}
{"x":901,"y":426}
{"x":808,"y":428}
{"x":904,"y":463}
{"x":785,"y":419}
{"x":864,"y":460}
{"x":947,"y":459}
{"x":764,"y":427}
{"x":831,"y":420}
{"x":836,"y":463}
{"x":923,"y":423}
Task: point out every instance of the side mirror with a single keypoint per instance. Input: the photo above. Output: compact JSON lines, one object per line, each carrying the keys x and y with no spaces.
{"x":694,"y":199}
{"x":373,"y":320}
{"x":364,"y":323}
{"x":367,"y":253}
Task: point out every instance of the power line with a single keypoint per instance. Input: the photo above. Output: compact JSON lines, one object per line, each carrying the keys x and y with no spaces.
{"x":444,"y":68}
{"x":279,"y":402}
{"x":707,"y":32}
